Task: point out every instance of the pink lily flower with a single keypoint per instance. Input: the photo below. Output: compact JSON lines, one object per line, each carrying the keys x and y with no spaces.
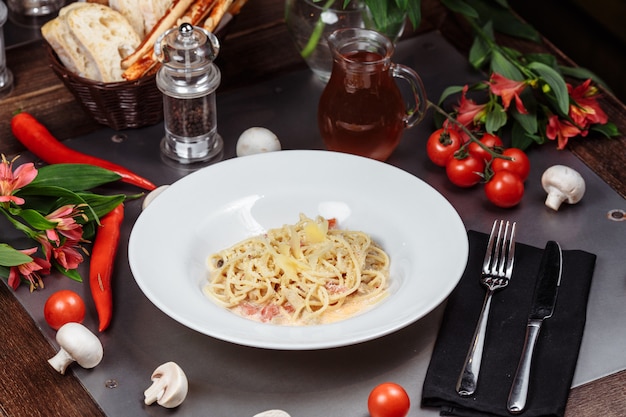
{"x":31,"y":271}
{"x":508,"y":90}
{"x":67,"y":255}
{"x":66,"y":224}
{"x":11,"y":181}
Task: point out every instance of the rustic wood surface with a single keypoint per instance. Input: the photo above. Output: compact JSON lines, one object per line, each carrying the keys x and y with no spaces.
{"x":29,"y":386}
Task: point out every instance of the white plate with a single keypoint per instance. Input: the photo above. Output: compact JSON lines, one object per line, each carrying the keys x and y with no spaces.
{"x":224,"y":203}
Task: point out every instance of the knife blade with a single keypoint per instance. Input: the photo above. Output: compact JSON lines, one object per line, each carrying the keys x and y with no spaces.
{"x":544,"y":301}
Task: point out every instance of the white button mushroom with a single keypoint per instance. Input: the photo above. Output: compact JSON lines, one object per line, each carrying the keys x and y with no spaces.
{"x":257,"y":140}
{"x":152,"y":195}
{"x":169,"y":386}
{"x":78,"y":344}
{"x":562,"y":183}
{"x":272,"y":413}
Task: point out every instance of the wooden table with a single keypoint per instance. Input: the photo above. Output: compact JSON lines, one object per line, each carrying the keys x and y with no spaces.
{"x":29,"y":387}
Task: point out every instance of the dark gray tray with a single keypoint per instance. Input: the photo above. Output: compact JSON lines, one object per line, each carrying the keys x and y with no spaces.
{"x":229,"y":380}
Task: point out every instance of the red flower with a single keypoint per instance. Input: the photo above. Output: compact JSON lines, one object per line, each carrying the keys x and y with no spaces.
{"x":31,"y":271}
{"x":561,"y":130}
{"x":469,"y":113}
{"x":584,"y":109}
{"x":508,"y":90}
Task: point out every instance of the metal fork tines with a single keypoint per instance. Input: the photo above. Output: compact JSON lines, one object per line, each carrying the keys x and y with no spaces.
{"x":496,"y":273}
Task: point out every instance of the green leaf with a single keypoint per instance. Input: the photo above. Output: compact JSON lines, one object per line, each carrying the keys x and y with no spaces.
{"x":65,"y":195}
{"x":70,"y":273}
{"x":496,"y":118}
{"x":37,"y":220}
{"x":521,"y":139}
{"x":504,"y":67}
{"x":556,"y":83}
{"x":101,"y":204}
{"x":414,"y":12}
{"x":548,"y":59}
{"x":454,"y":89}
{"x":504,"y":20}
{"x":583,"y":74}
{"x":12,"y":257}
{"x":479,"y":53}
{"x":74,"y":177}
{"x":460,"y":6}
{"x":608,"y":129}
{"x":528,"y":122}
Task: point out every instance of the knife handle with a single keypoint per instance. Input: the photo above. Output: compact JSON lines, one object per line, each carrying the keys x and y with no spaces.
{"x":519,"y":389}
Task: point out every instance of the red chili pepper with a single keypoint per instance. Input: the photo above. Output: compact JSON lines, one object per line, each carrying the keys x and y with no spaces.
{"x":101,"y":264}
{"x":38,"y":139}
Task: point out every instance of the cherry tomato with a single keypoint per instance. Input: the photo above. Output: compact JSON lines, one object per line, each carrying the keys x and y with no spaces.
{"x":519,"y":164}
{"x":62,"y":307}
{"x":465,"y":172}
{"x":489,"y":140}
{"x":388,"y":400}
{"x":442,"y":144}
{"x":505,"y":189}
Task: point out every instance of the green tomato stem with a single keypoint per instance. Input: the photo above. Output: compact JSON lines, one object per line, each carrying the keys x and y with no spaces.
{"x":467,"y":131}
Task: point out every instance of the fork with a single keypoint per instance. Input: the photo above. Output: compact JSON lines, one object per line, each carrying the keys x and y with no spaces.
{"x":495,"y":275}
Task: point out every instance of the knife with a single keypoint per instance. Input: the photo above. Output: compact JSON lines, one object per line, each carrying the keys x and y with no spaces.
{"x":544,"y":300}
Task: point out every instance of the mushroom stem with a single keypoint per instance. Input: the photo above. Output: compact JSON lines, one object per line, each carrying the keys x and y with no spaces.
{"x":169,"y":386}
{"x":61,"y":361}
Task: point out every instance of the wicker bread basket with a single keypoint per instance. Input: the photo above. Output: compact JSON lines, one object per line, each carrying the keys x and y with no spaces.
{"x":119,"y":105}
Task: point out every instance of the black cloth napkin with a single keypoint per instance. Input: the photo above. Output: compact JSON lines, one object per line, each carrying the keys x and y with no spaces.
{"x":556,"y":351}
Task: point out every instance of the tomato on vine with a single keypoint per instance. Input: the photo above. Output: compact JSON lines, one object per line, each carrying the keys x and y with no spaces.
{"x":505,"y":189}
{"x":465,"y":171}
{"x":519,"y":163}
{"x":493,"y":142}
{"x":442,"y":144}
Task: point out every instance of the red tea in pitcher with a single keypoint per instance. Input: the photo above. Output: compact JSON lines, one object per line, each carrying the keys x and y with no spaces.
{"x":361,"y":110}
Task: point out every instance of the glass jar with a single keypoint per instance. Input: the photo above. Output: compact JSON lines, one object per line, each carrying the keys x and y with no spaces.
{"x":310,"y":22}
{"x":188,"y":80}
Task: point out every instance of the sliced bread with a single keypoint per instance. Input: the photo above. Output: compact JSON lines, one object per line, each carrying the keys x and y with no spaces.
{"x":153,"y":11}
{"x":130,"y":9}
{"x":67,"y":48}
{"x":105,"y":35}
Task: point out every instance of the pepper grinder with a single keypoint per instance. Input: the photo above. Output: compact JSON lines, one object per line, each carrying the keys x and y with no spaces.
{"x":188,"y":79}
{"x":6,"y":76}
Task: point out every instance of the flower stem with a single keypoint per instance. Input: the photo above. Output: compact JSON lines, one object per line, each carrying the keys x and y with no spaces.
{"x":316,"y":34}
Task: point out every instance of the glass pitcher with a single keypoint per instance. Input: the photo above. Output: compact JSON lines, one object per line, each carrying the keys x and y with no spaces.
{"x":362,"y":110}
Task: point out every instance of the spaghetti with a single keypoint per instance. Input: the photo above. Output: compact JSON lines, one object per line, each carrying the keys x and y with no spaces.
{"x":307,"y":273}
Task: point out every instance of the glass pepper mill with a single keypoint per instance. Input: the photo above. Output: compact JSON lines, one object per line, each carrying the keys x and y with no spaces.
{"x":6,"y":76}
{"x":188,"y":79}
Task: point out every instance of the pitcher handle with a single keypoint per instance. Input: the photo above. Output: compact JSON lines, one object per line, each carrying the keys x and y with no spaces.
{"x":405,"y":73}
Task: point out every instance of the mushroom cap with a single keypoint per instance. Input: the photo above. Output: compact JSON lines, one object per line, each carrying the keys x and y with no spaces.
{"x":272,"y":413}
{"x":562,"y":183}
{"x":257,"y":140}
{"x":84,"y":346}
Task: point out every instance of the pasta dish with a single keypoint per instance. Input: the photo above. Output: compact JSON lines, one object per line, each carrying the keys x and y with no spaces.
{"x":307,"y":273}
